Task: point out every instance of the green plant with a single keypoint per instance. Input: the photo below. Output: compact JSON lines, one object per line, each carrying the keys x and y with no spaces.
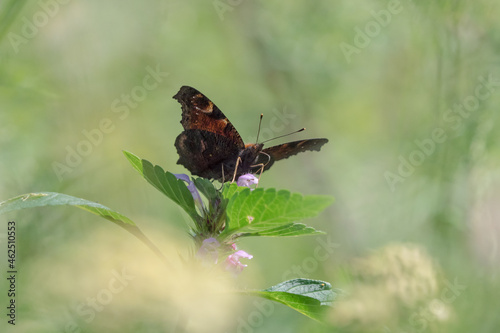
{"x":225,"y":215}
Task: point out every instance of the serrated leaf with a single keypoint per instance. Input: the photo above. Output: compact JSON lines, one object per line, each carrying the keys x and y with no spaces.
{"x":134,"y":160}
{"x":165,"y":182}
{"x":309,"y":297}
{"x":266,"y":211}
{"x":229,"y":190}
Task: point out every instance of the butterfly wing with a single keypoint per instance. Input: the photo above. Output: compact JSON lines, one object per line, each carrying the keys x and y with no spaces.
{"x":209,"y":143}
{"x":285,"y":150}
{"x":198,"y":112}
{"x":205,"y":153}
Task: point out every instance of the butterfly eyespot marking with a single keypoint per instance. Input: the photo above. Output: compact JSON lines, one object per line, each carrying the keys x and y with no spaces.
{"x":202,"y":103}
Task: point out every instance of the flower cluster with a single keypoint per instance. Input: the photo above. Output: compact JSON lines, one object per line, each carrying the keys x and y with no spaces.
{"x":211,"y":225}
{"x":211,"y":249}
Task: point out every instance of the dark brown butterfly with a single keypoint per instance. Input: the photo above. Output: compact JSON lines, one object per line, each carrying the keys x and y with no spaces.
{"x":210,"y":146}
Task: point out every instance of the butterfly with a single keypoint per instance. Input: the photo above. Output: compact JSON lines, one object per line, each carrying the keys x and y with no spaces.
{"x":210,"y":146}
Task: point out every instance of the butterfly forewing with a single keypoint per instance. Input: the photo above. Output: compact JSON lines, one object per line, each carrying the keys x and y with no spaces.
{"x":199,"y":112}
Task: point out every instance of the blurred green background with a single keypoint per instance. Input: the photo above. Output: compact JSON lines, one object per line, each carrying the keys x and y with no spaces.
{"x":413,"y":235}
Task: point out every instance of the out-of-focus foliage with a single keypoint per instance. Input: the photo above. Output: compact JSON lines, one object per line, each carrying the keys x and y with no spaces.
{"x":406,"y":92}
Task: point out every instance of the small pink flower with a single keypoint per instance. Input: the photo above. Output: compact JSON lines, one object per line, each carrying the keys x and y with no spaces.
{"x":233,"y":261}
{"x":208,"y":251}
{"x":247,"y":180}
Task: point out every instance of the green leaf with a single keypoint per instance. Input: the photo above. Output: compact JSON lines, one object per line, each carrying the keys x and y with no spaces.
{"x":229,"y":190}
{"x":165,"y":182}
{"x":206,"y":187}
{"x":134,"y":160}
{"x":309,"y":297}
{"x":270,"y":212}
{"x":31,"y":200}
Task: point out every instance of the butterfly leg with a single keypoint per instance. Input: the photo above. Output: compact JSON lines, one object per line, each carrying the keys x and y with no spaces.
{"x":261,"y":167}
{"x":236,"y":169}
{"x":222,"y":181}
{"x":261,"y":170}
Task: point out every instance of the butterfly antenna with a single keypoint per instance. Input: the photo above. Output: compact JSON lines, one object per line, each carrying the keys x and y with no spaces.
{"x":260,"y":122}
{"x":297,"y":131}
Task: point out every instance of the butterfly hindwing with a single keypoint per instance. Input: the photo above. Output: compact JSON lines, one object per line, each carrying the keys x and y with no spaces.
{"x":203,"y":153}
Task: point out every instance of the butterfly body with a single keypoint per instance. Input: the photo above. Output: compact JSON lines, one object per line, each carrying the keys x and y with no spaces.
{"x":210,"y":146}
